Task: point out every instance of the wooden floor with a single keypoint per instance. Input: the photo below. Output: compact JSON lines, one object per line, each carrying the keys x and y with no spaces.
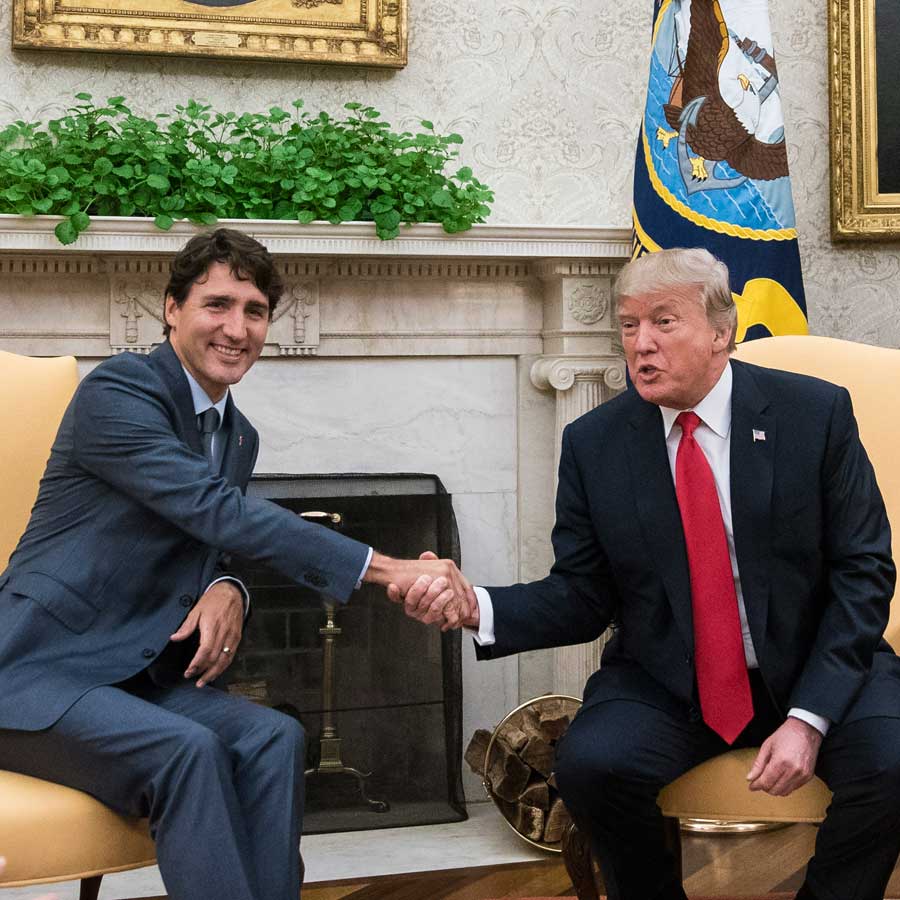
{"x":770,"y":862}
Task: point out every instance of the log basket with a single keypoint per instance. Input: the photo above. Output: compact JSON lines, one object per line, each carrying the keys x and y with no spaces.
{"x":559,"y":710}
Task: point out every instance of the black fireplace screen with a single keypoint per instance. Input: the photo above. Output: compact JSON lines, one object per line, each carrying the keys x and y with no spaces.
{"x":380,"y":696}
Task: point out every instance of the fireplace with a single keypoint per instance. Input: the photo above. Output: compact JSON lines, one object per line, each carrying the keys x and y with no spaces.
{"x":380,"y":696}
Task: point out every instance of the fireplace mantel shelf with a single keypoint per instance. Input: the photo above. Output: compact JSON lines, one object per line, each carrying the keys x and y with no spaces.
{"x":114,"y":235}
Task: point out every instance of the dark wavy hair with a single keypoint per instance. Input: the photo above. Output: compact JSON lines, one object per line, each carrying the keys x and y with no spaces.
{"x":246,"y":257}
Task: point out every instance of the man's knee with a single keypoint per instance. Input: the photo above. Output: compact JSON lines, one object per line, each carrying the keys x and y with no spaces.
{"x":589,"y":768}
{"x":867,"y":758}
{"x":291,"y":734}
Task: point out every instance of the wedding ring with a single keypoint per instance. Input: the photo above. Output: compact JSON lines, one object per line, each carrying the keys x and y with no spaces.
{"x":226,"y":649}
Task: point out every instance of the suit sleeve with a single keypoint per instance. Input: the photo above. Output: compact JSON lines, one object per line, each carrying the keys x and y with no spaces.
{"x":577,"y":600}
{"x":858,"y":570}
{"x":124,"y":436}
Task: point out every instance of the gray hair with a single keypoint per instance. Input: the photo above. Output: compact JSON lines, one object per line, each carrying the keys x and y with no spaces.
{"x":680,"y":267}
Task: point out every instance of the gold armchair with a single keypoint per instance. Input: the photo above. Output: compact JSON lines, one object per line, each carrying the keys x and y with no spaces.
{"x":49,"y":832}
{"x":717,"y":789}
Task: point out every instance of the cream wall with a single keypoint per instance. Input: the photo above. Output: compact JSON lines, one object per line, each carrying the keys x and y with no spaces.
{"x":547,"y":94}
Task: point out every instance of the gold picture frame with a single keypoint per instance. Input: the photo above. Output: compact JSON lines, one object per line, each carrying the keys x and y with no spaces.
{"x":355,"y":32}
{"x":863,"y":204}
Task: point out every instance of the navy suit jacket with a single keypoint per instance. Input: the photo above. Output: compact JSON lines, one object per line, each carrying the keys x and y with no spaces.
{"x":811,"y":536}
{"x":126,"y":534}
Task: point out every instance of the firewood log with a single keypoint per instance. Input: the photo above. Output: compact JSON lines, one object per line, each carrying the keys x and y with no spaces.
{"x":556,"y":822}
{"x":536,"y":794}
{"x":508,"y":774}
{"x":529,"y":821}
{"x":515,"y":737}
{"x":553,"y":720}
{"x":477,"y":750}
{"x":539,"y":754}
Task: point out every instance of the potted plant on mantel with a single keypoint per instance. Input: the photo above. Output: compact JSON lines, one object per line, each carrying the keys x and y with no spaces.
{"x":202,"y":165}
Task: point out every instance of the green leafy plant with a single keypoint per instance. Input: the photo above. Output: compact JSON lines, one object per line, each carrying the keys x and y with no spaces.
{"x":203,"y":165}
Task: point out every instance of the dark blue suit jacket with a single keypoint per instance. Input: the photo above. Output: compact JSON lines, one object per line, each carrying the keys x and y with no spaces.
{"x":811,"y":535}
{"x":126,"y":534}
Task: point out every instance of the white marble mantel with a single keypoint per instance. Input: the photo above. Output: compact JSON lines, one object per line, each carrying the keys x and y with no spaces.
{"x":110,"y":234}
{"x":464,"y":355}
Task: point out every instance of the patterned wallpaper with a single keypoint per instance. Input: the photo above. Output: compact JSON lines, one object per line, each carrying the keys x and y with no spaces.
{"x":546,"y":93}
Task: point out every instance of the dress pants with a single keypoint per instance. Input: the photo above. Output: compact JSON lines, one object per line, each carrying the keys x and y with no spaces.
{"x":220,"y":778}
{"x":617,"y":755}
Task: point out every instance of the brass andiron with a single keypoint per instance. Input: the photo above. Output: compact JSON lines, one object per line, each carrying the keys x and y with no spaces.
{"x":330,"y":761}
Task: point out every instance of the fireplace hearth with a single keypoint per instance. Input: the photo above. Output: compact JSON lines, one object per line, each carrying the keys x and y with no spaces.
{"x":380,"y":696}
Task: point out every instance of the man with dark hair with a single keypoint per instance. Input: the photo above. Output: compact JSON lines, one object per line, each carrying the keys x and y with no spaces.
{"x":117,"y":614}
{"x":725,"y":520}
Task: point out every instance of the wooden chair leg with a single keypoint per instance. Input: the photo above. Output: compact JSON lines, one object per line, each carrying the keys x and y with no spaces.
{"x":90,"y":888}
{"x":673,"y":843}
{"x":579,"y":862}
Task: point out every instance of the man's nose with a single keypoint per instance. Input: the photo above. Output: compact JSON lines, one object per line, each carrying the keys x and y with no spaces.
{"x":644,"y":341}
{"x":234,"y":325}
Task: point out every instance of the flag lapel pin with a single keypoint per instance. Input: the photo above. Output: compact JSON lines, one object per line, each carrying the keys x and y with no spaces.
{"x":241,"y":439}
{"x":758,"y":435}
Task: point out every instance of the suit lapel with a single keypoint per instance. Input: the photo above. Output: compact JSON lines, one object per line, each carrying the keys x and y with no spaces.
{"x":165,"y":361}
{"x":753,"y":437}
{"x":657,"y":510}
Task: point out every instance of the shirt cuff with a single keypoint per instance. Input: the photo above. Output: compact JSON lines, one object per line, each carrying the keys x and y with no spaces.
{"x":484,"y":637}
{"x":240,"y":586}
{"x":820,"y":723}
{"x":365,"y":569}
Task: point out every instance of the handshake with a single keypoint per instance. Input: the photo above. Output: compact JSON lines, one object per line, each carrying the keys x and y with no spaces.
{"x":431,"y":590}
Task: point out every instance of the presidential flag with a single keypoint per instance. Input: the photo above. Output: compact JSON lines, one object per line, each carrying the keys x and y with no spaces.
{"x":711,"y":168}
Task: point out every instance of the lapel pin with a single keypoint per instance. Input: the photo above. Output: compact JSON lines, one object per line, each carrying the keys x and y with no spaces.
{"x":758,"y":435}
{"x":241,"y":439}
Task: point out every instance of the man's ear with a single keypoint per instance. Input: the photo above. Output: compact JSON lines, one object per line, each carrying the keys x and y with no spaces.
{"x":169,"y":307}
{"x":722,"y":338}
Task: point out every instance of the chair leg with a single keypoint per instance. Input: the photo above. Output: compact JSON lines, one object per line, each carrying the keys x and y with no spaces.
{"x":579,"y":862}
{"x":90,"y":888}
{"x":673,"y":843}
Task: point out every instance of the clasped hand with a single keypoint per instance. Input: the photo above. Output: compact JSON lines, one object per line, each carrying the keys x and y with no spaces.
{"x":432,"y":590}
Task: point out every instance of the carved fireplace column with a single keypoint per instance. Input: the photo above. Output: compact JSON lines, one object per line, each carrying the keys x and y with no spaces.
{"x":583,"y":364}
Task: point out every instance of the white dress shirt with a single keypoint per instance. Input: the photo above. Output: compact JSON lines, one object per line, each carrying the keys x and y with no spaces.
{"x":713,"y":434}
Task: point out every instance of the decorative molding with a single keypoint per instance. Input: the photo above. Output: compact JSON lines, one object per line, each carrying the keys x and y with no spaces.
{"x":588,"y":303}
{"x":115,"y":235}
{"x":560,"y":373}
{"x":295,"y":326}
{"x":135,"y":311}
{"x":442,"y":269}
{"x":588,"y":268}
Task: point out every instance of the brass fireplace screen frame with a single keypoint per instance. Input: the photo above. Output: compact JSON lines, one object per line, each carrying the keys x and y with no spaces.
{"x":356,"y":32}
{"x":860,"y":207}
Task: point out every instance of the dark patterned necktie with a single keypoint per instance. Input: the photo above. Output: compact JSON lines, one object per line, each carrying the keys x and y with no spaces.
{"x":208,"y":423}
{"x":721,"y":666}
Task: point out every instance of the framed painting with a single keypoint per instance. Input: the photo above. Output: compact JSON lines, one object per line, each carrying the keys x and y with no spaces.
{"x":864,"y":49}
{"x":357,"y":32}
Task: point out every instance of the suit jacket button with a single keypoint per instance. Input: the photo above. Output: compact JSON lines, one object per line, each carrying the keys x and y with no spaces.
{"x":694,"y":715}
{"x":186,"y":600}
{"x":147,"y":653}
{"x":315,"y":578}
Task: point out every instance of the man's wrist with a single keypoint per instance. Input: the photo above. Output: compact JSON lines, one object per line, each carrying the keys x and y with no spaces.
{"x":817,"y":722}
{"x":238,"y":586}
{"x":381,"y":570}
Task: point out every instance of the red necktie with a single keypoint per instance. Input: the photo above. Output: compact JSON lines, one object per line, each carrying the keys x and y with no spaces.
{"x":718,"y":646}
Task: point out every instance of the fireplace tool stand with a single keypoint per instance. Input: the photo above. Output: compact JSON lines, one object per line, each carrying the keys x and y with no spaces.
{"x":330,"y":761}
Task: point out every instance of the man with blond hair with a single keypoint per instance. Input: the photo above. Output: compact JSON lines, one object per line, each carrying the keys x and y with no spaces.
{"x":725,"y":521}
